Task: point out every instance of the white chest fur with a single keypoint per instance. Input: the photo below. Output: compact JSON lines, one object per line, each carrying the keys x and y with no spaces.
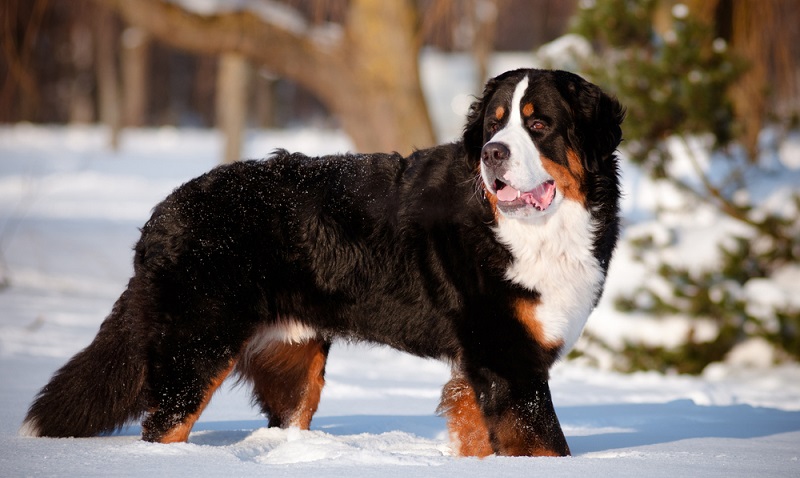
{"x":553,"y":256}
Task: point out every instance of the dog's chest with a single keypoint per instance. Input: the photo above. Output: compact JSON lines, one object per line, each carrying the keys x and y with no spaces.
{"x":554,"y":258}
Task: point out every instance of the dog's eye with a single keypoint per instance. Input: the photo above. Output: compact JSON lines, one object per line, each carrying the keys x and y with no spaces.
{"x":535,"y":124}
{"x":492,"y":127}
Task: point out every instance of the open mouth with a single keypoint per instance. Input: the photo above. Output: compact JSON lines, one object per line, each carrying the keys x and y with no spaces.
{"x":539,"y":197}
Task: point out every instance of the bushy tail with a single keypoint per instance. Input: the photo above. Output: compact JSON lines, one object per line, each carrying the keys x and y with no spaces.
{"x":99,"y":389}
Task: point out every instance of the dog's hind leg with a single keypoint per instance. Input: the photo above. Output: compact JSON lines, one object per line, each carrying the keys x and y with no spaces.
{"x":188,"y":361}
{"x":180,"y":405}
{"x":287,"y":379}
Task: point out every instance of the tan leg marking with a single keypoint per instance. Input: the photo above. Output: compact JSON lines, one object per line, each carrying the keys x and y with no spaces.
{"x":287,"y":380}
{"x":465,"y":422}
{"x":180,"y":432}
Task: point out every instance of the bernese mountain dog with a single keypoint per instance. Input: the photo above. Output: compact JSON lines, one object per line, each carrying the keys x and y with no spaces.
{"x":488,"y":253}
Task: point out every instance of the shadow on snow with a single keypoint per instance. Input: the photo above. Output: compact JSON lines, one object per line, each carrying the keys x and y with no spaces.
{"x":589,"y":429}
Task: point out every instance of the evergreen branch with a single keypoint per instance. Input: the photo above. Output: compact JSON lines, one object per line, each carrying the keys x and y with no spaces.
{"x":713,"y":195}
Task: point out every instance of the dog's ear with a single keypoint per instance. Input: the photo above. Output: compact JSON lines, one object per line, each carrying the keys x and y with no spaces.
{"x":598,"y":119}
{"x":473,"y":131}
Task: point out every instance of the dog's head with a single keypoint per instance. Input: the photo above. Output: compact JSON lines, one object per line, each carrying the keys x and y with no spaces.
{"x":538,"y":135}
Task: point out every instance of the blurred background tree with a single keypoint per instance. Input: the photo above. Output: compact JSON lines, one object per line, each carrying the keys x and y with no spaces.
{"x":349,"y":63}
{"x":723,"y":70}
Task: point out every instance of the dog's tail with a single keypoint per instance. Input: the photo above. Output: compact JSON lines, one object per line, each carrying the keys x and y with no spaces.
{"x":99,"y":389}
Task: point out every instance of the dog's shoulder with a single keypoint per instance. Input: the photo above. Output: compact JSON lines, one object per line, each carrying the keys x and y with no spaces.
{"x":439,"y":187}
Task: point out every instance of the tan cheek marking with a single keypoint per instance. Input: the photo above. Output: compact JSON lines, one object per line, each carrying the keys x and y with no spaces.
{"x":527,"y":110}
{"x":568,"y":180}
{"x":575,"y":164}
{"x":525,"y":311}
{"x":499,"y":112}
{"x":493,"y":203}
{"x":489,"y":196}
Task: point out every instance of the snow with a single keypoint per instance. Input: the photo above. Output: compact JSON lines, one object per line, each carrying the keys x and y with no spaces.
{"x":69,"y":213}
{"x":274,"y":13}
{"x":283,"y":16}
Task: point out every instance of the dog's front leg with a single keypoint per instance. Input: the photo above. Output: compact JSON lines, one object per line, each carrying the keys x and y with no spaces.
{"x":519,"y":416}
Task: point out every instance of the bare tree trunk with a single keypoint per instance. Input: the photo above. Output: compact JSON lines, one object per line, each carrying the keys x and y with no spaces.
{"x":20,"y":87}
{"x":264,"y":100}
{"x":368,"y":76}
{"x":380,"y":100}
{"x":232,"y":103}
{"x":484,"y":20}
{"x":82,"y":41}
{"x":751,"y":40}
{"x":135,"y":68}
{"x":763,"y":33}
{"x":107,"y":77}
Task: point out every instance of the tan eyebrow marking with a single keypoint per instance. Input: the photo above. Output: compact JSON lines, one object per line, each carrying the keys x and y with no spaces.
{"x":527,"y":110}
{"x":499,"y":112}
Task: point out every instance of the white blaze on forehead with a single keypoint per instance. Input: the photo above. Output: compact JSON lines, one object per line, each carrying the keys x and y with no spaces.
{"x":515,"y":119}
{"x":524,"y":170}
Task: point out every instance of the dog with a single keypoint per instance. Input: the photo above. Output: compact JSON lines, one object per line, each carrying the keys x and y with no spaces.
{"x":489,"y":253}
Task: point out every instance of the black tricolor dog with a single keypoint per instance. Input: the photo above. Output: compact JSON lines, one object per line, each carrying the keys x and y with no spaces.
{"x":489,"y":253}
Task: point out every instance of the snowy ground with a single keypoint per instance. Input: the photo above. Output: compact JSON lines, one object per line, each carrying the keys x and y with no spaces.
{"x":69,"y":212}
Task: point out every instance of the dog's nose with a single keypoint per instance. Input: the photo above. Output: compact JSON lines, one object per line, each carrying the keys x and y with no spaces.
{"x":495,"y":153}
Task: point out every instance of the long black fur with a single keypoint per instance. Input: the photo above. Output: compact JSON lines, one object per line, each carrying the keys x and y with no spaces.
{"x":376,"y":247}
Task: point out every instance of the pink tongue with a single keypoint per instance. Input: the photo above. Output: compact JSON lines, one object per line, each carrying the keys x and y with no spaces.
{"x":541,"y":196}
{"x":507,"y":194}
